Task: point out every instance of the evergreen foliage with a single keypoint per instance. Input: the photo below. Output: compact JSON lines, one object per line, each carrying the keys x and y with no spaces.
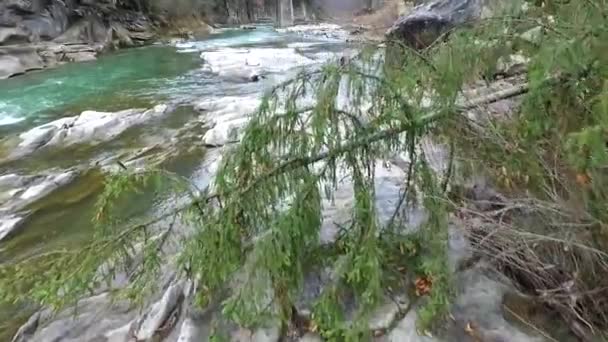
{"x":258,"y":225}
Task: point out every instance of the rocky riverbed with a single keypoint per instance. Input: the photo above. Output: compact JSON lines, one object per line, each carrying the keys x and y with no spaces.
{"x":54,"y":155}
{"x":191,"y":116}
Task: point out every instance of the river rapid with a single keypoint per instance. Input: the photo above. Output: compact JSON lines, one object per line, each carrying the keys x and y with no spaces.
{"x":187,"y":97}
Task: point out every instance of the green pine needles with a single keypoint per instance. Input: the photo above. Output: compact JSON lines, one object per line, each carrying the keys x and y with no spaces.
{"x":255,"y":233}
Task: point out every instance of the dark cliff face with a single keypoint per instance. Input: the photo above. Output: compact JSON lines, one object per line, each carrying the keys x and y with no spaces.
{"x":432,"y":18}
{"x":32,"y":21}
{"x":35,"y":20}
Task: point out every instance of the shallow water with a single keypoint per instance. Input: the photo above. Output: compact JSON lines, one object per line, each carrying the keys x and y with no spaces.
{"x":130,"y":78}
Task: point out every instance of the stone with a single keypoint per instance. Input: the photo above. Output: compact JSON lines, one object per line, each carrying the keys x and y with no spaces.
{"x":478,"y":303}
{"x":159,"y":312}
{"x":8,"y":226}
{"x":406,"y":331}
{"x":384,"y":316}
{"x":512,"y":65}
{"x":88,"y":127}
{"x":120,"y":33}
{"x":86,"y":30}
{"x":84,"y":56}
{"x":12,"y":180}
{"x":430,"y":19}
{"x":533,"y":35}
{"x":13,"y":35}
{"x":226,"y":117}
{"x":95,"y":316}
{"x":242,"y":64}
{"x":224,"y":132}
{"x":18,"y":193}
{"x":18,"y":60}
{"x":191,"y":331}
{"x":50,"y":184}
{"x":389,"y":181}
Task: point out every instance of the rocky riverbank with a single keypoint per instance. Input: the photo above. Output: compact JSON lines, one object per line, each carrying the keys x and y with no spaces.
{"x":40,"y":34}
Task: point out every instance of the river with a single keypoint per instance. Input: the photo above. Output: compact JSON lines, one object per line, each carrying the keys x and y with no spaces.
{"x":171,"y":74}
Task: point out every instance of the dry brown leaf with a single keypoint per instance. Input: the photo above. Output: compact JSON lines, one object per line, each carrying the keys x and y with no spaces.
{"x":583,"y":179}
{"x":423,"y":286}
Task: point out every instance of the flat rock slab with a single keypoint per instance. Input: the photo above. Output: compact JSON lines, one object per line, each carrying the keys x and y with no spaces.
{"x":89,"y":127}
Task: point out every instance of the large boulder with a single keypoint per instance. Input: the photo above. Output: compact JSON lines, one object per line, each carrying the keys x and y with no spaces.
{"x":430,"y":19}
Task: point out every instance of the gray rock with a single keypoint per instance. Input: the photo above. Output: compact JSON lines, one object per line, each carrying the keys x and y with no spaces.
{"x":429,"y":20}
{"x":389,"y":180}
{"x":191,"y":331}
{"x":8,"y":225}
{"x":406,"y":331}
{"x":533,"y":35}
{"x":384,"y":316}
{"x":95,"y":315}
{"x":18,"y":60}
{"x":84,"y":56}
{"x":45,"y":20}
{"x":87,"y":30}
{"x":121,"y":34}
{"x":90,"y":127}
{"x":226,"y":116}
{"x":224,"y":132}
{"x":13,"y":35}
{"x":159,"y":312}
{"x":512,"y":64}
{"x":19,"y":193}
{"x":478,"y":304}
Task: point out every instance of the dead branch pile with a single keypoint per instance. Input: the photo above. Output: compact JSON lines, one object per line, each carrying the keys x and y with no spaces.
{"x":548,"y":253}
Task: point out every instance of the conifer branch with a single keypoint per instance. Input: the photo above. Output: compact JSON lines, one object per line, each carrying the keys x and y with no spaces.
{"x":335,"y":153}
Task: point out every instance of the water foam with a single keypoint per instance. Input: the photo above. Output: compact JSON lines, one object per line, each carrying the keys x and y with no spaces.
{"x":9,"y":114}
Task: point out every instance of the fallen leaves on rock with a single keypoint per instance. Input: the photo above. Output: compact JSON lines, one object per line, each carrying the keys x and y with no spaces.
{"x":423,"y":285}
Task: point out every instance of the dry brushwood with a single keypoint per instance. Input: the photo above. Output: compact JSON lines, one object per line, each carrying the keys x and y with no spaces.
{"x":566,"y":274}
